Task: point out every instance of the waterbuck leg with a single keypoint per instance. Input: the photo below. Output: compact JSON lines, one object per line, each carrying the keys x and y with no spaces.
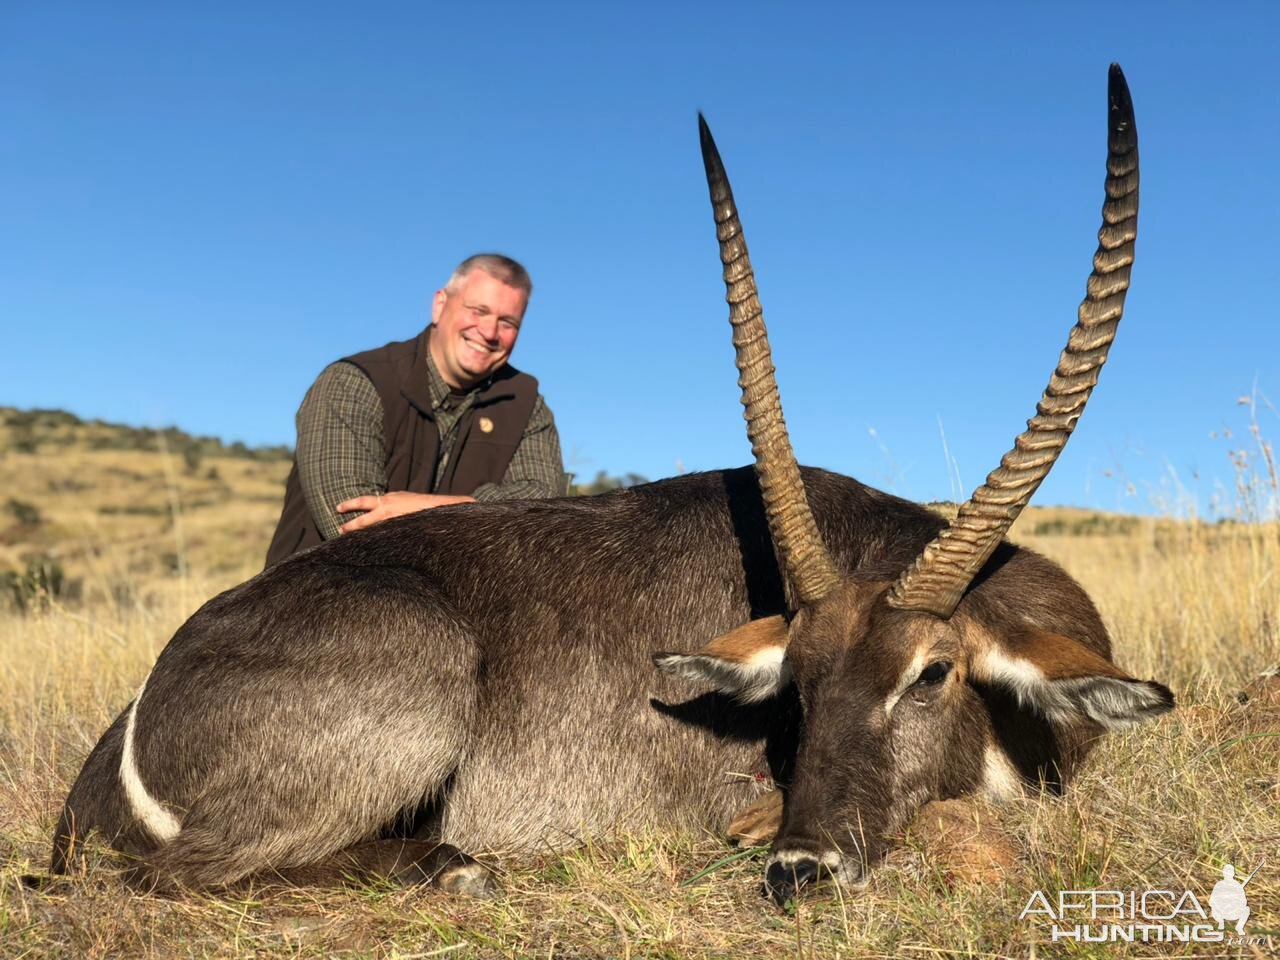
{"x":407,"y":862}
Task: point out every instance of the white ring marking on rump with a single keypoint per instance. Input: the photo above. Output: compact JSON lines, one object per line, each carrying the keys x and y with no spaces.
{"x":159,"y":822}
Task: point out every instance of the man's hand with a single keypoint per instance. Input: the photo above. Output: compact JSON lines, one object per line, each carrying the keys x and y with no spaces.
{"x":394,"y":504}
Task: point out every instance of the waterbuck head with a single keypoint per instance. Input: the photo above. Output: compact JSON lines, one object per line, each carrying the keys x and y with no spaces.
{"x":890,"y":674}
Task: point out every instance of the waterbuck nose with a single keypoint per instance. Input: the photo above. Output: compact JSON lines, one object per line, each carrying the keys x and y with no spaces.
{"x":783,"y":880}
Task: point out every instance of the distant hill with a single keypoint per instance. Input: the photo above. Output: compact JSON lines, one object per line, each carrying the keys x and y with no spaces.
{"x":33,"y":431}
{"x":89,"y":507}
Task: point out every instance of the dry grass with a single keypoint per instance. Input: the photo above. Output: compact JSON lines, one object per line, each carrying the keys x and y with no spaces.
{"x":1196,"y":605}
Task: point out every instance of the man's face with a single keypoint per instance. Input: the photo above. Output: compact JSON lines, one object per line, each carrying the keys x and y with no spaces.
{"x":476,"y":328}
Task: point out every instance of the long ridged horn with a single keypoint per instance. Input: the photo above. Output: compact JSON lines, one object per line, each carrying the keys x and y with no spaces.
{"x":806,"y":566}
{"x":942,"y":573}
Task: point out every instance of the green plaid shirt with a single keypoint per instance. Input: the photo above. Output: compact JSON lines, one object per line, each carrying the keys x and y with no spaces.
{"x":342,"y":451}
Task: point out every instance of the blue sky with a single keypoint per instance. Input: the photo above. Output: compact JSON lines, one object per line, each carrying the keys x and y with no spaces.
{"x":201,"y":206}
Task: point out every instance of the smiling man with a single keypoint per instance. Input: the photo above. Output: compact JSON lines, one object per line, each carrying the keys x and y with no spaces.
{"x":422,"y":423}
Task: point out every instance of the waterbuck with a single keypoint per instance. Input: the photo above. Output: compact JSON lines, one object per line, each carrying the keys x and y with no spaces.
{"x":480,"y":679}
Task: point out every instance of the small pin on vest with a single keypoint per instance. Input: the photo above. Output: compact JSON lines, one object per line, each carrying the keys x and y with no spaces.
{"x":486,"y":425}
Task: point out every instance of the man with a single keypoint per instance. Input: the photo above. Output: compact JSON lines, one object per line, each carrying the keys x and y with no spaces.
{"x":423,"y":423}
{"x":1228,"y":901}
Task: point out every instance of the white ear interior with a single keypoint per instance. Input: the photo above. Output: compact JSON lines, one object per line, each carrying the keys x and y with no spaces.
{"x":1113,"y":702}
{"x":757,"y":678}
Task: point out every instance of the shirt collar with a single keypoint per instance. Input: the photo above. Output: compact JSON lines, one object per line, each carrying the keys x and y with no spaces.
{"x":437,"y":389}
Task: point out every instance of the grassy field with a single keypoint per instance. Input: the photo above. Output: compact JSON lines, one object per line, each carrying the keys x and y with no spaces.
{"x":106,"y":546}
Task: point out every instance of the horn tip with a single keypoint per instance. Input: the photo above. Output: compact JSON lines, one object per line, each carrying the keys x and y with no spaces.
{"x":1120,"y":109}
{"x":710,"y":155}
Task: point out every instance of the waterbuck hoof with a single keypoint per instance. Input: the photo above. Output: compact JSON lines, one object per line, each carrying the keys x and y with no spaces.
{"x":758,"y":823}
{"x":469,"y":880}
{"x":783,"y":880}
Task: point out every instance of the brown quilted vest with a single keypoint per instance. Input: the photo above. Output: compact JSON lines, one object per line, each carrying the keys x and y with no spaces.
{"x":398,"y":372}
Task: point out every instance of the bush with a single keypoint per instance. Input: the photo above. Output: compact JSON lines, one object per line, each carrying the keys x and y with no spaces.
{"x":603,"y":483}
{"x":1092,"y":525}
{"x":134,"y":510}
{"x":43,"y":579}
{"x":27,"y":514}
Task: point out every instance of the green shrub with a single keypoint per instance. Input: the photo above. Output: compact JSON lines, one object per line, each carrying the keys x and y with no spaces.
{"x":604,"y":482}
{"x":27,"y":514}
{"x":41,"y":580}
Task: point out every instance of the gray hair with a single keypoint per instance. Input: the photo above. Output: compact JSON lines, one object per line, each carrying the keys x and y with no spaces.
{"x":496,"y":265}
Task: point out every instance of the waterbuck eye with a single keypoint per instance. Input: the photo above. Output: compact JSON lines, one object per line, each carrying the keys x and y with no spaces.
{"x":934,"y":673}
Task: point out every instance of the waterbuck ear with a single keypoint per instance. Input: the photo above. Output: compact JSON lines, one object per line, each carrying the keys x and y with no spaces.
{"x":748,"y":662}
{"x":1065,"y":680}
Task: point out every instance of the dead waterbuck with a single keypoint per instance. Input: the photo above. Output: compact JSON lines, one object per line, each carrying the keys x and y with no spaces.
{"x":479,"y":679}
